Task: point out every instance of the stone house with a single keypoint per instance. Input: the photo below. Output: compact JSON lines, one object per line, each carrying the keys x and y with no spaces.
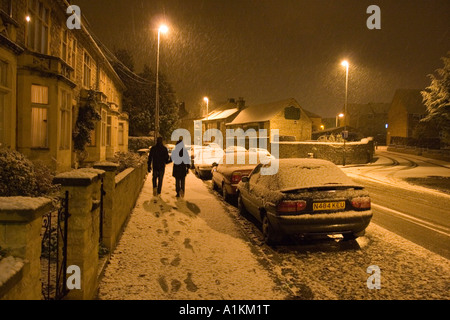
{"x":220,"y":116}
{"x":49,"y":70}
{"x":369,"y":119}
{"x":405,"y":112}
{"x":287,"y":116}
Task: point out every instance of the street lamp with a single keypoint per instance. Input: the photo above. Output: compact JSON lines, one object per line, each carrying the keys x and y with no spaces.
{"x":162,"y":29}
{"x":345,"y":64}
{"x":206,"y":99}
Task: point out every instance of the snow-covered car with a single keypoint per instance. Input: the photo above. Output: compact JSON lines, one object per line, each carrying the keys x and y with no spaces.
{"x":228,"y":173}
{"x":305,"y":197}
{"x":204,"y":160}
{"x":232,"y":149}
{"x":262,"y":153}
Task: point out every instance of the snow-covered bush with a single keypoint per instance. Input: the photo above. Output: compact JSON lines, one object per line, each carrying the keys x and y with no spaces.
{"x":22,"y":177}
{"x":136,"y":143}
{"x":128,"y":160}
{"x":17,"y":176}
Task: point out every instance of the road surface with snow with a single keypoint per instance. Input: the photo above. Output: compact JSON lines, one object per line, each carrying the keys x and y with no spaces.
{"x":201,"y":248}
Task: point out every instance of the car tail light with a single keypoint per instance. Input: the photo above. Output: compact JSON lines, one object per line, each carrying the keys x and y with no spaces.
{"x":291,"y":206}
{"x":361,"y":203}
{"x":237,"y":176}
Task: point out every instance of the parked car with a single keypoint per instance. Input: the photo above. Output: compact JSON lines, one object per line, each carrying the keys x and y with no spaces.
{"x":227,"y":174}
{"x":264,"y":154}
{"x":204,"y":160}
{"x":233,"y":149}
{"x":170,"y":148}
{"x":305,"y":197}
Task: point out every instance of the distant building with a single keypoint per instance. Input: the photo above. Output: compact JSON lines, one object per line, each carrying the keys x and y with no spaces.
{"x":316,"y":121}
{"x":219,"y":117}
{"x":46,"y":72}
{"x":287,"y":116}
{"x":369,"y":119}
{"x":405,"y":112}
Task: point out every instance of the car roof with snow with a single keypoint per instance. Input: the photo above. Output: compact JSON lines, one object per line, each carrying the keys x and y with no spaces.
{"x":304,"y":173}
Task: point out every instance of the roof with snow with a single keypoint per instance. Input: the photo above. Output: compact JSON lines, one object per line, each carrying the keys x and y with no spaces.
{"x":263,"y":112}
{"x":220,"y":115}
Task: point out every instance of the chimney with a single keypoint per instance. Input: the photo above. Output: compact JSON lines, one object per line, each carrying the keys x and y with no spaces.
{"x":240,"y":103}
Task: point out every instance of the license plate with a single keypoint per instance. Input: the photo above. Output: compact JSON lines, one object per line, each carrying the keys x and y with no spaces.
{"x":317,"y":206}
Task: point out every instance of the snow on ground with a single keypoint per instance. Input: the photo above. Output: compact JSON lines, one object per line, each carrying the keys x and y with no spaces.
{"x":9,"y":266}
{"x":185,"y":249}
{"x":408,"y":166}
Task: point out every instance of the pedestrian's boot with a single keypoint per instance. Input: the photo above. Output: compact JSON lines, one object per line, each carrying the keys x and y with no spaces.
{"x":182,"y":193}
{"x":155,"y":192}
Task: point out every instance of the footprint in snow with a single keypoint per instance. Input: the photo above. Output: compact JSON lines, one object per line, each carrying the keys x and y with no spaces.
{"x":190,"y":285}
{"x":163,"y":284}
{"x":187,"y":244}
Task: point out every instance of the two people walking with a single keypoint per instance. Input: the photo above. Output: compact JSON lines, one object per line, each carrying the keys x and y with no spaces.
{"x":159,"y":157}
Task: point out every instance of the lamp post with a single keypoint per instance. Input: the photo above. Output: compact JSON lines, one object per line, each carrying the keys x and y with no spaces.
{"x":345,"y":64}
{"x":206,"y":99}
{"x":162,"y":29}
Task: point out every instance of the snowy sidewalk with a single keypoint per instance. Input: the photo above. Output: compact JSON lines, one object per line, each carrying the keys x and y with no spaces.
{"x":184,"y":249}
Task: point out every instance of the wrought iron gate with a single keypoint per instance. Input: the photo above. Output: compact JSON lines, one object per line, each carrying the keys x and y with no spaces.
{"x":54,"y":251}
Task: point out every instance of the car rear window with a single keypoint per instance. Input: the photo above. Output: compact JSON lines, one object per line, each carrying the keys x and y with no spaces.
{"x":303,"y":173}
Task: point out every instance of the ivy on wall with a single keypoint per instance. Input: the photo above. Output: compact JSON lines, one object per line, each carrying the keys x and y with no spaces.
{"x":87,"y":117}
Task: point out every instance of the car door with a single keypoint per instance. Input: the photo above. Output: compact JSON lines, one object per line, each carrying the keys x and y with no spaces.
{"x":250,"y":199}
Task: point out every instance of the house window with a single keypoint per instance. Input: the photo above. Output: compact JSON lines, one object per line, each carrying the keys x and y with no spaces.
{"x":87,"y":70}
{"x":65,"y":120}
{"x":4,"y":91}
{"x":72,"y":58}
{"x":121,"y":132}
{"x":3,"y":74}
{"x":292,"y":113}
{"x":38,"y":26}
{"x":2,"y":117}
{"x":39,"y":109}
{"x":64,"y":45}
{"x":108,"y":131}
{"x":103,"y":135}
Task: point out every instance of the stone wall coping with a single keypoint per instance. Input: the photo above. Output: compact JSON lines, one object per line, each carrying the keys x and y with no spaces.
{"x":121,"y":176}
{"x":79,"y":177}
{"x":106,"y":166}
{"x":23,"y":209}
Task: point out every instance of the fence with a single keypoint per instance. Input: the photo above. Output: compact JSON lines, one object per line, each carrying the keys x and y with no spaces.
{"x":96,"y":204}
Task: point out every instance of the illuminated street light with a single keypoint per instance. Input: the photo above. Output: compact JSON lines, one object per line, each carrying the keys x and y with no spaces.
{"x":28,"y":18}
{"x":162,"y":29}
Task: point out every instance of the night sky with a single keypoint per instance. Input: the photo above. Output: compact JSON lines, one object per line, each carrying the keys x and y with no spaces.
{"x":268,"y":50}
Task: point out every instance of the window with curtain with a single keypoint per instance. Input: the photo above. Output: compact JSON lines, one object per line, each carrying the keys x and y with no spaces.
{"x":38,"y":26}
{"x":65,"y":120}
{"x":108,"y":131}
{"x":120,"y":133}
{"x":39,"y":110}
{"x":103,"y":133}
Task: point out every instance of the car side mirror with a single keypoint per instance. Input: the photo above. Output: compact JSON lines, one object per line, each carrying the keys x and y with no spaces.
{"x":245,"y":179}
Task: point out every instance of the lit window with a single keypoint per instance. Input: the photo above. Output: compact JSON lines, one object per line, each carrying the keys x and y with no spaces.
{"x":39,"y":127}
{"x":39,"y":94}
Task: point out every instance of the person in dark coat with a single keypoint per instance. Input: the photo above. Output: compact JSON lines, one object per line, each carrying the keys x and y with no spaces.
{"x":157,"y":160}
{"x":181,"y":165}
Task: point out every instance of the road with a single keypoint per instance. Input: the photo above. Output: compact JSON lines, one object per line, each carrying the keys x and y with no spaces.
{"x":418,"y":214}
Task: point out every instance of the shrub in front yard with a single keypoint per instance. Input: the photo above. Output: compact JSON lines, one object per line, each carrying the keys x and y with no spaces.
{"x":136,"y":143}
{"x":128,"y":160}
{"x":17,"y":176}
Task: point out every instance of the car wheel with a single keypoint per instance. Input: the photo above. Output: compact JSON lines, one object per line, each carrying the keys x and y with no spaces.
{"x":271,"y":237}
{"x":214,"y":185}
{"x":225,"y":195}
{"x":241,"y":206}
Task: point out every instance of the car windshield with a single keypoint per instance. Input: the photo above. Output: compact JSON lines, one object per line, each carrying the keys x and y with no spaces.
{"x":304,"y":173}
